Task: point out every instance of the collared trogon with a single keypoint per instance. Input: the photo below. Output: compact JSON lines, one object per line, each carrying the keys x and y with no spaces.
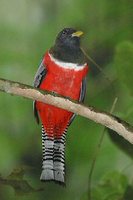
{"x":62,"y":70}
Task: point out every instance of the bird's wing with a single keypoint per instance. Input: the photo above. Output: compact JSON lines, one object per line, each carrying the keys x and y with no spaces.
{"x":82,"y":91}
{"x":39,"y":76}
{"x":81,"y":98}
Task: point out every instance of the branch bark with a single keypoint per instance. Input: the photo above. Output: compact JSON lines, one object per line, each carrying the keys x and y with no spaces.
{"x":118,"y":125}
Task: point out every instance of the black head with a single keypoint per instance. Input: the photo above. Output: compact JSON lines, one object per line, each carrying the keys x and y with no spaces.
{"x":69,"y":37}
{"x":67,"y":46}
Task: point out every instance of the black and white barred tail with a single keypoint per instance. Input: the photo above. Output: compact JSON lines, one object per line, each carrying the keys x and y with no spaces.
{"x":53,"y":167}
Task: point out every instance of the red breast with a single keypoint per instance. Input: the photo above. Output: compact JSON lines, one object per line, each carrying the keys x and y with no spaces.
{"x":62,"y":79}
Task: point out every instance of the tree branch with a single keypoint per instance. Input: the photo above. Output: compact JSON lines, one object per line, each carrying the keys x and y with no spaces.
{"x":121,"y":127}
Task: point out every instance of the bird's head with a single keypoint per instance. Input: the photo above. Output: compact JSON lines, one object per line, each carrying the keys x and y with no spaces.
{"x":69,"y":38}
{"x":67,"y":46}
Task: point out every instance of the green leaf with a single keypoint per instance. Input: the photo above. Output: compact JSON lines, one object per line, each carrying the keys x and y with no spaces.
{"x":123,"y":144}
{"x":128,"y":193}
{"x":123,"y":63}
{"x":111,"y":187}
{"x":18,"y":183}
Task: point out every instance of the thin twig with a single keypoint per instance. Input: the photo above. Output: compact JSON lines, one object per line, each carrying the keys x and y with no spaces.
{"x":98,"y":66}
{"x":97,"y":153}
{"x":102,"y":72}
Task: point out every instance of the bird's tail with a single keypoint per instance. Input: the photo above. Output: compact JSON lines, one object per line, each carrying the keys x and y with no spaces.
{"x":59,"y":159}
{"x":48,"y":152}
{"x":53,"y":168}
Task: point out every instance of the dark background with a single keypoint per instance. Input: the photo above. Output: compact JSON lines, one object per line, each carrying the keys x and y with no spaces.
{"x":27,"y":29}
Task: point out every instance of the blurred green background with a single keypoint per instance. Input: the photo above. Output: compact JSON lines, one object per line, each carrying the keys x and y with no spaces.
{"x":27,"y":29}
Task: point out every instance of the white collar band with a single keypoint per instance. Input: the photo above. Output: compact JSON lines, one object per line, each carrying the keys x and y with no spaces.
{"x":67,"y":65}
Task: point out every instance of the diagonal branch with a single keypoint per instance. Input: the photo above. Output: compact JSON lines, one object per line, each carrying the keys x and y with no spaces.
{"x":121,"y":127}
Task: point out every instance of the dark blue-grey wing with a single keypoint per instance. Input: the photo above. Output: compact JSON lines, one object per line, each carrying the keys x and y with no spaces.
{"x":83,"y":91}
{"x":81,"y":98}
{"x":39,"y":76}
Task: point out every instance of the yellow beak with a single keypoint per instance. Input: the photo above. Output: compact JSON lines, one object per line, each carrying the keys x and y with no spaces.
{"x":77,"y":34}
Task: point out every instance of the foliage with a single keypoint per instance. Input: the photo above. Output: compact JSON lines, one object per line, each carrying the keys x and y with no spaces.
{"x":123,"y":63}
{"x":112,"y":186}
{"x":18,"y":183}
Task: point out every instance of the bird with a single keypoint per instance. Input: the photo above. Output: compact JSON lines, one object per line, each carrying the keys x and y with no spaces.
{"x":62,"y":70}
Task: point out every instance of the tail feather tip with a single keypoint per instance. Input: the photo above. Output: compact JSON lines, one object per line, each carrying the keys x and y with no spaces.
{"x":59,"y":176}
{"x":47,"y":175}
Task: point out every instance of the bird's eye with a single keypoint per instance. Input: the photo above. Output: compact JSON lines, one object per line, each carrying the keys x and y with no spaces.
{"x":64,"y":33}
